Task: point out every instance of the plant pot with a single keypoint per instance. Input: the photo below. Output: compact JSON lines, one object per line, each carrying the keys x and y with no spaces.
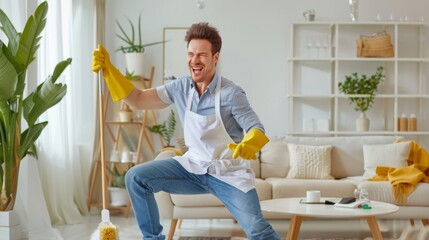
{"x":362,"y":123}
{"x":10,"y":228}
{"x":118,"y":196}
{"x":125,"y":116}
{"x":126,"y":157}
{"x":134,"y":62}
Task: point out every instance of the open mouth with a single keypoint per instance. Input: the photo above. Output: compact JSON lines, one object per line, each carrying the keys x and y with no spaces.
{"x":197,"y":70}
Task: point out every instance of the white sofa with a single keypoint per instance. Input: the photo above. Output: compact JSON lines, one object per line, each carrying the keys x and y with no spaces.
{"x":347,"y":162}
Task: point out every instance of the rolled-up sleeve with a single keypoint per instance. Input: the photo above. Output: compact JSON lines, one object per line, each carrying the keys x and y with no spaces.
{"x":163,"y":95}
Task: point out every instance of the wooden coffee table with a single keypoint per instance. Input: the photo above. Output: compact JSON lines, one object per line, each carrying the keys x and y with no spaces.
{"x":301,"y":211}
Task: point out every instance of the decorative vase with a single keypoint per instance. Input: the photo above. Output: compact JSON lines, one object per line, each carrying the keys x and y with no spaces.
{"x":309,"y":15}
{"x":134,"y":62}
{"x":354,"y":5}
{"x":118,"y":196}
{"x":362,"y":123}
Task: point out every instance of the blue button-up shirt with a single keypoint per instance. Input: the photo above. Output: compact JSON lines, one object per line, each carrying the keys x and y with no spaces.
{"x":236,"y":112}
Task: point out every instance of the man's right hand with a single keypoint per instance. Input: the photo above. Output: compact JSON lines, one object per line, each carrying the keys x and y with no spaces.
{"x":119,"y":86}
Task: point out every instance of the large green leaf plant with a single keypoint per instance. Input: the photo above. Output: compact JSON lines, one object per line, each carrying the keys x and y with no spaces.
{"x":15,"y":57}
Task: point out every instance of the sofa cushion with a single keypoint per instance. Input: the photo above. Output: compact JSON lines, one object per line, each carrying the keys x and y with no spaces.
{"x":382,"y":191}
{"x":309,"y":162}
{"x":274,"y":158}
{"x":388,"y":155}
{"x":346,"y":155}
{"x":256,"y":166}
{"x":263,"y":189}
{"x":288,"y":188}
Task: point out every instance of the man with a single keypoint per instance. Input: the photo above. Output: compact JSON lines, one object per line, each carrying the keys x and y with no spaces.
{"x":214,"y":112}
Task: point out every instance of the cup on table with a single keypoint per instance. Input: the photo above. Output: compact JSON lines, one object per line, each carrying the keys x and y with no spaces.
{"x":363,"y":194}
{"x":313,"y":196}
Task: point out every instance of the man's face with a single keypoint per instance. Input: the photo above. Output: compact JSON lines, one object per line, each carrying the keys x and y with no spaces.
{"x":201,"y":62}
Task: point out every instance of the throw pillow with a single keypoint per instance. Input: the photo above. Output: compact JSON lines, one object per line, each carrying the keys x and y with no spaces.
{"x":388,"y":155}
{"x":274,"y":159}
{"x":309,"y":162}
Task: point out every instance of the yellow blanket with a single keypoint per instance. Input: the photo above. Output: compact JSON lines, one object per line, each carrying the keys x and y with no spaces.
{"x":405,"y":179}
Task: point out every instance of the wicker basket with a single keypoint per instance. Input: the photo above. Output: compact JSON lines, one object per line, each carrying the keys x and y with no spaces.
{"x":377,"y":45}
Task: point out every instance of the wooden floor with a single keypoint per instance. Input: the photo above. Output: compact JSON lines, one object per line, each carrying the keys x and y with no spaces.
{"x":315,"y":229}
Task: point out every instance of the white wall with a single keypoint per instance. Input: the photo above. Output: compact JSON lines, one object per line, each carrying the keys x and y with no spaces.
{"x":255,"y":38}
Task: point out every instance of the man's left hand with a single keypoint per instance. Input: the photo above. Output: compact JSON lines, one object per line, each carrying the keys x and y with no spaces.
{"x":252,"y":143}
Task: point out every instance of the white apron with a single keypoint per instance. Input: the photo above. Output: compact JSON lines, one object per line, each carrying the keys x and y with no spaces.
{"x":207,"y":140}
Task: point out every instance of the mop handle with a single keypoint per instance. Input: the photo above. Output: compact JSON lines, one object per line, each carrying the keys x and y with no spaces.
{"x":102,"y":149}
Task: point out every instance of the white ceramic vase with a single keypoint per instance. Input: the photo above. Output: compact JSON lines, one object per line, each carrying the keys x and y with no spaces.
{"x":134,"y":62}
{"x":362,"y":123}
{"x":118,"y":196}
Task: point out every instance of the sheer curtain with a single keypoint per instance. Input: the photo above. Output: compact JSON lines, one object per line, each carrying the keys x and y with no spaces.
{"x":14,"y":10}
{"x":65,"y":146}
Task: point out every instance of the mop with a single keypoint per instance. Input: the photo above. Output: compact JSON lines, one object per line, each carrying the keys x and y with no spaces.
{"x":107,"y":231}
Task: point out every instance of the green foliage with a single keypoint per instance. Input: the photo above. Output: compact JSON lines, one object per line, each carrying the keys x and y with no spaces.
{"x":118,"y":177}
{"x":130,"y":41}
{"x":15,"y":57}
{"x":130,"y":76}
{"x":166,"y":129}
{"x":355,"y":85}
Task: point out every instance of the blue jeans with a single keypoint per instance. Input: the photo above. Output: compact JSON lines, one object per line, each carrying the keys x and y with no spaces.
{"x":168,"y":175}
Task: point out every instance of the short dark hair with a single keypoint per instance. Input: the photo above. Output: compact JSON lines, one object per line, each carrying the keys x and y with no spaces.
{"x":204,"y":31}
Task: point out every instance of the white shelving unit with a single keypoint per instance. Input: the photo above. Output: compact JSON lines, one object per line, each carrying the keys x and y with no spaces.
{"x":323,"y":53}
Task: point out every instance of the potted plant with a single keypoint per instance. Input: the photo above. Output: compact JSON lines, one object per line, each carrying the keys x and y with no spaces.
{"x":15,"y":57}
{"x":165,"y":129}
{"x":125,"y":113}
{"x":133,"y":48}
{"x":363,"y":90}
{"x":130,"y":76}
{"x":118,"y":193}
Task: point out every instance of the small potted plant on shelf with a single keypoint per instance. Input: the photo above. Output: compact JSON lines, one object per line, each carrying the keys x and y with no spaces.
{"x":130,"y":76}
{"x":125,"y":113}
{"x":117,"y":192}
{"x":366,"y":88}
{"x":133,"y":48}
{"x":165,"y":129}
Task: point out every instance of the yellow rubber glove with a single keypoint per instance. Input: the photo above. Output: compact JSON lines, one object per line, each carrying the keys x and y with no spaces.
{"x":252,"y":143}
{"x":119,"y":86}
{"x":175,"y":150}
